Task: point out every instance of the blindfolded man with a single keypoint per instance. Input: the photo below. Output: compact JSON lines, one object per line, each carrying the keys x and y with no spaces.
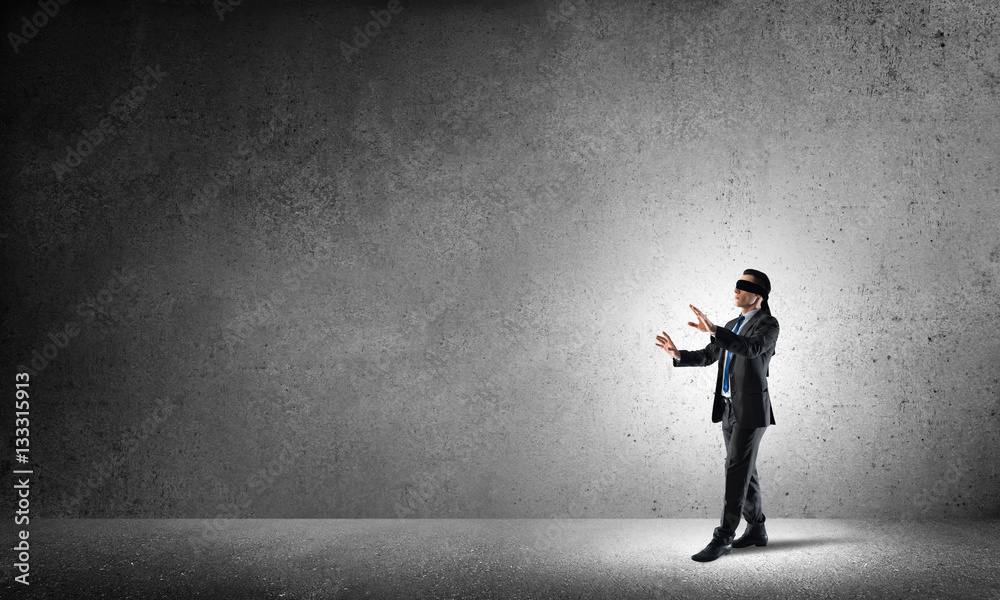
{"x":743,"y":349}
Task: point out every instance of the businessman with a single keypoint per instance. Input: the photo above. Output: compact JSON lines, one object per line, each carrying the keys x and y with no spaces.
{"x":743,"y":349}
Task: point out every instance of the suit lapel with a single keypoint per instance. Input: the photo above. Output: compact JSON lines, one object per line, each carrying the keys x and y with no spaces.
{"x":749,"y":324}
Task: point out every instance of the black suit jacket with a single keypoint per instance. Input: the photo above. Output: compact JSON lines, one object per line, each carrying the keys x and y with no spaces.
{"x":752,"y":349}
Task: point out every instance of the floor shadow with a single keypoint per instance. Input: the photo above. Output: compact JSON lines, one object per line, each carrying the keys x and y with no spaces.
{"x":783,"y":544}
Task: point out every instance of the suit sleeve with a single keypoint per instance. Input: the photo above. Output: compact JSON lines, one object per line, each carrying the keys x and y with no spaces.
{"x":763,"y":339}
{"x":698,"y":358}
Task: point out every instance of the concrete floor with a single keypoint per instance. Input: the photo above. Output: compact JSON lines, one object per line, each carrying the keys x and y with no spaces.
{"x":588,"y":558}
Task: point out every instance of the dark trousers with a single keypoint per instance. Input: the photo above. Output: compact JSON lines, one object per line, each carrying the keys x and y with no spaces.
{"x":742,"y":486}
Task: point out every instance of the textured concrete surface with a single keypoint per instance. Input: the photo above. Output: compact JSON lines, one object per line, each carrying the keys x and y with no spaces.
{"x":581,"y":558}
{"x":319,"y":272}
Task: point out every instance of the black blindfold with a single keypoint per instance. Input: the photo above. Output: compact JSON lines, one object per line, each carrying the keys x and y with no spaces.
{"x":749,"y":286}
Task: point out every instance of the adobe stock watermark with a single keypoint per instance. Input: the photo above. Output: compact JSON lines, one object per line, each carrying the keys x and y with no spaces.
{"x":240,"y":502}
{"x":415,"y":498}
{"x":254,"y":486}
{"x":30,"y":27}
{"x":88,"y":310}
{"x":130,"y":441}
{"x":579,"y":15}
{"x":589,"y":496}
{"x":553,"y":190}
{"x":937,"y":496}
{"x":364,"y":36}
{"x":307,"y":188}
{"x":457,"y":117}
{"x":107,"y":129}
{"x":265,"y":309}
{"x":225,"y":6}
{"x":201,"y":198}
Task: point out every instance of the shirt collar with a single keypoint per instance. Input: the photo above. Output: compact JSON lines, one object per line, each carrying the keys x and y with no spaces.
{"x":749,"y":315}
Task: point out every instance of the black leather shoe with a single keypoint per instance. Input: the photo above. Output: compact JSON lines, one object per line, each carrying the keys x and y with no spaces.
{"x":755,"y":535}
{"x":712,"y":551}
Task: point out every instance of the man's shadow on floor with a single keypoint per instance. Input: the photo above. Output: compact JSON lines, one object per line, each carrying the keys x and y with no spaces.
{"x":783,"y":544}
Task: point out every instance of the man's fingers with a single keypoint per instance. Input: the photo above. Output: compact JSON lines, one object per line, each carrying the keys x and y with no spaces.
{"x":664,"y":341}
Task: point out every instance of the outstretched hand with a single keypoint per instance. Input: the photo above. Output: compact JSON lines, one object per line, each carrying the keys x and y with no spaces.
{"x":664,"y":341}
{"x":703,"y":323}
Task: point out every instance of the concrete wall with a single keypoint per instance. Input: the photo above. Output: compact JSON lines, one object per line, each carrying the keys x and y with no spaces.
{"x":300,"y":272}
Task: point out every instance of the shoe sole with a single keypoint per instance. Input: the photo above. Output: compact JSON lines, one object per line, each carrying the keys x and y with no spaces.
{"x":758,"y":544}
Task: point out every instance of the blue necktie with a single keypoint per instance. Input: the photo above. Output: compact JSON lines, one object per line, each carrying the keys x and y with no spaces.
{"x":729,"y":357}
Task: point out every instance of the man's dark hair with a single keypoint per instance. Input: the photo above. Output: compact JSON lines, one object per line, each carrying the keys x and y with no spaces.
{"x":759,"y":278}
